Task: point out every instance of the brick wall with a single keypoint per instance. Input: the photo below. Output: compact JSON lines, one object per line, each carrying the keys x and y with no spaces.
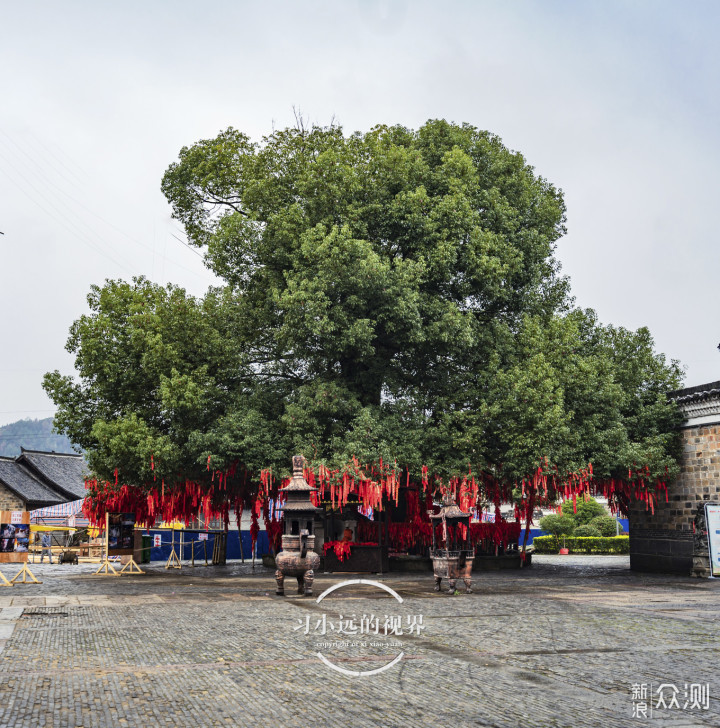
{"x":664,"y":541}
{"x":9,"y":501}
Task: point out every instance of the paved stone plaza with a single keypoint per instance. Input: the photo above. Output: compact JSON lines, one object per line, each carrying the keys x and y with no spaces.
{"x":559,"y":644}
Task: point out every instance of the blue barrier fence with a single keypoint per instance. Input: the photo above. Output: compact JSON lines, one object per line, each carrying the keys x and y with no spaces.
{"x":162,"y":553}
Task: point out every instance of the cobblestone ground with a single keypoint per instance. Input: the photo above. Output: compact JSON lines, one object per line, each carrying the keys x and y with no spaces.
{"x":558,"y":644}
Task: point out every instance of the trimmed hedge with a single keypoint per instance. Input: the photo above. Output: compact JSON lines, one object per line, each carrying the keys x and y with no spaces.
{"x":583,"y":544}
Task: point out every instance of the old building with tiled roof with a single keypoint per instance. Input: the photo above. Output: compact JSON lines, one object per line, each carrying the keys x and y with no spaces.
{"x":663,"y":540}
{"x":36,"y":479}
{"x":64,"y":471}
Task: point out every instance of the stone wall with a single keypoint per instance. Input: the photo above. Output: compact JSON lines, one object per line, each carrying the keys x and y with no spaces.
{"x":9,"y":501}
{"x":664,"y":541}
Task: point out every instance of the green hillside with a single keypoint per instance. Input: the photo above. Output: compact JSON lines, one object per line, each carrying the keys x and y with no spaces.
{"x":32,"y":435}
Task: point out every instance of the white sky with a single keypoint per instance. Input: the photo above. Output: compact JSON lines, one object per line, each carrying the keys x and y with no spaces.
{"x":614,"y":102}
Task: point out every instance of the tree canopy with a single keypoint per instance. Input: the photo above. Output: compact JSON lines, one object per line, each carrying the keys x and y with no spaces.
{"x":391,"y":297}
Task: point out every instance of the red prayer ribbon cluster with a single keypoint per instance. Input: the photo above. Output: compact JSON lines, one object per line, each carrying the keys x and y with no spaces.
{"x":213,"y":493}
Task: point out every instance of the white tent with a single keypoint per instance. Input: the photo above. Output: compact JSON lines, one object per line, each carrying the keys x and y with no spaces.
{"x":63,"y":514}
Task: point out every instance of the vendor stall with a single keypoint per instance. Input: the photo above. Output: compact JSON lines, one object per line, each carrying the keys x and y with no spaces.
{"x":64,"y":514}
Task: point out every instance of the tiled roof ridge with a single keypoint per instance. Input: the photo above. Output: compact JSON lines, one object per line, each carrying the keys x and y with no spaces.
{"x":701,"y":391}
{"x":51,"y":453}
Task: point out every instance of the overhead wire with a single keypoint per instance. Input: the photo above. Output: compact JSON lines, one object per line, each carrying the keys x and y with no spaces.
{"x":69,"y":169}
{"x":12,"y":412}
{"x":85,"y":207}
{"x":187,"y":246}
{"x":60,"y":217}
{"x":53,"y":154}
{"x":58,"y":188}
{"x":49,"y":186}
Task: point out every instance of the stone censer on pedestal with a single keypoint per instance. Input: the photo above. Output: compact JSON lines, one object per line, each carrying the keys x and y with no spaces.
{"x":297,"y":557}
{"x":455,"y":560}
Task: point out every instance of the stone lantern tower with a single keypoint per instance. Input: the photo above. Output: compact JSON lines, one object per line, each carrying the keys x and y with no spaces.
{"x":297,"y":557}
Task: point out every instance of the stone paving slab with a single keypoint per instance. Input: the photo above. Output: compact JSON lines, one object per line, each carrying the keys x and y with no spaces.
{"x":560,"y":644}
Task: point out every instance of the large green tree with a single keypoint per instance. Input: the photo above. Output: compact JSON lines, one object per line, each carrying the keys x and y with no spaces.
{"x":391,"y":295}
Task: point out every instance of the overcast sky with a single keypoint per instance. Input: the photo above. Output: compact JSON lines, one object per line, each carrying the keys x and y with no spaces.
{"x":614,"y":102}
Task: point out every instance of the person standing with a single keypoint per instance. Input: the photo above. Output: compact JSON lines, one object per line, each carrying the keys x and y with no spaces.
{"x":46,"y":546}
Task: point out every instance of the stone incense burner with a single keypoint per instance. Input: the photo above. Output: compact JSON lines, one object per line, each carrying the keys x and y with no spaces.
{"x":297,"y":557}
{"x":454,"y":560}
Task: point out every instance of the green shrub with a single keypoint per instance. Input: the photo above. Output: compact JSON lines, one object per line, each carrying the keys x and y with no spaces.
{"x":584,"y":511}
{"x":607,"y":525}
{"x":587,"y":530}
{"x":557,"y":525}
{"x":583,"y":544}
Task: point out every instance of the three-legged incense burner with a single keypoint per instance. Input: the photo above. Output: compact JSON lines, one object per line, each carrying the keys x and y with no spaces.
{"x":453,"y":559}
{"x":297,"y":559}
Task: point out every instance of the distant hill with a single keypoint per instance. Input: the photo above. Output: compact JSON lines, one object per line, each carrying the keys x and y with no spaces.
{"x":32,"y":435}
